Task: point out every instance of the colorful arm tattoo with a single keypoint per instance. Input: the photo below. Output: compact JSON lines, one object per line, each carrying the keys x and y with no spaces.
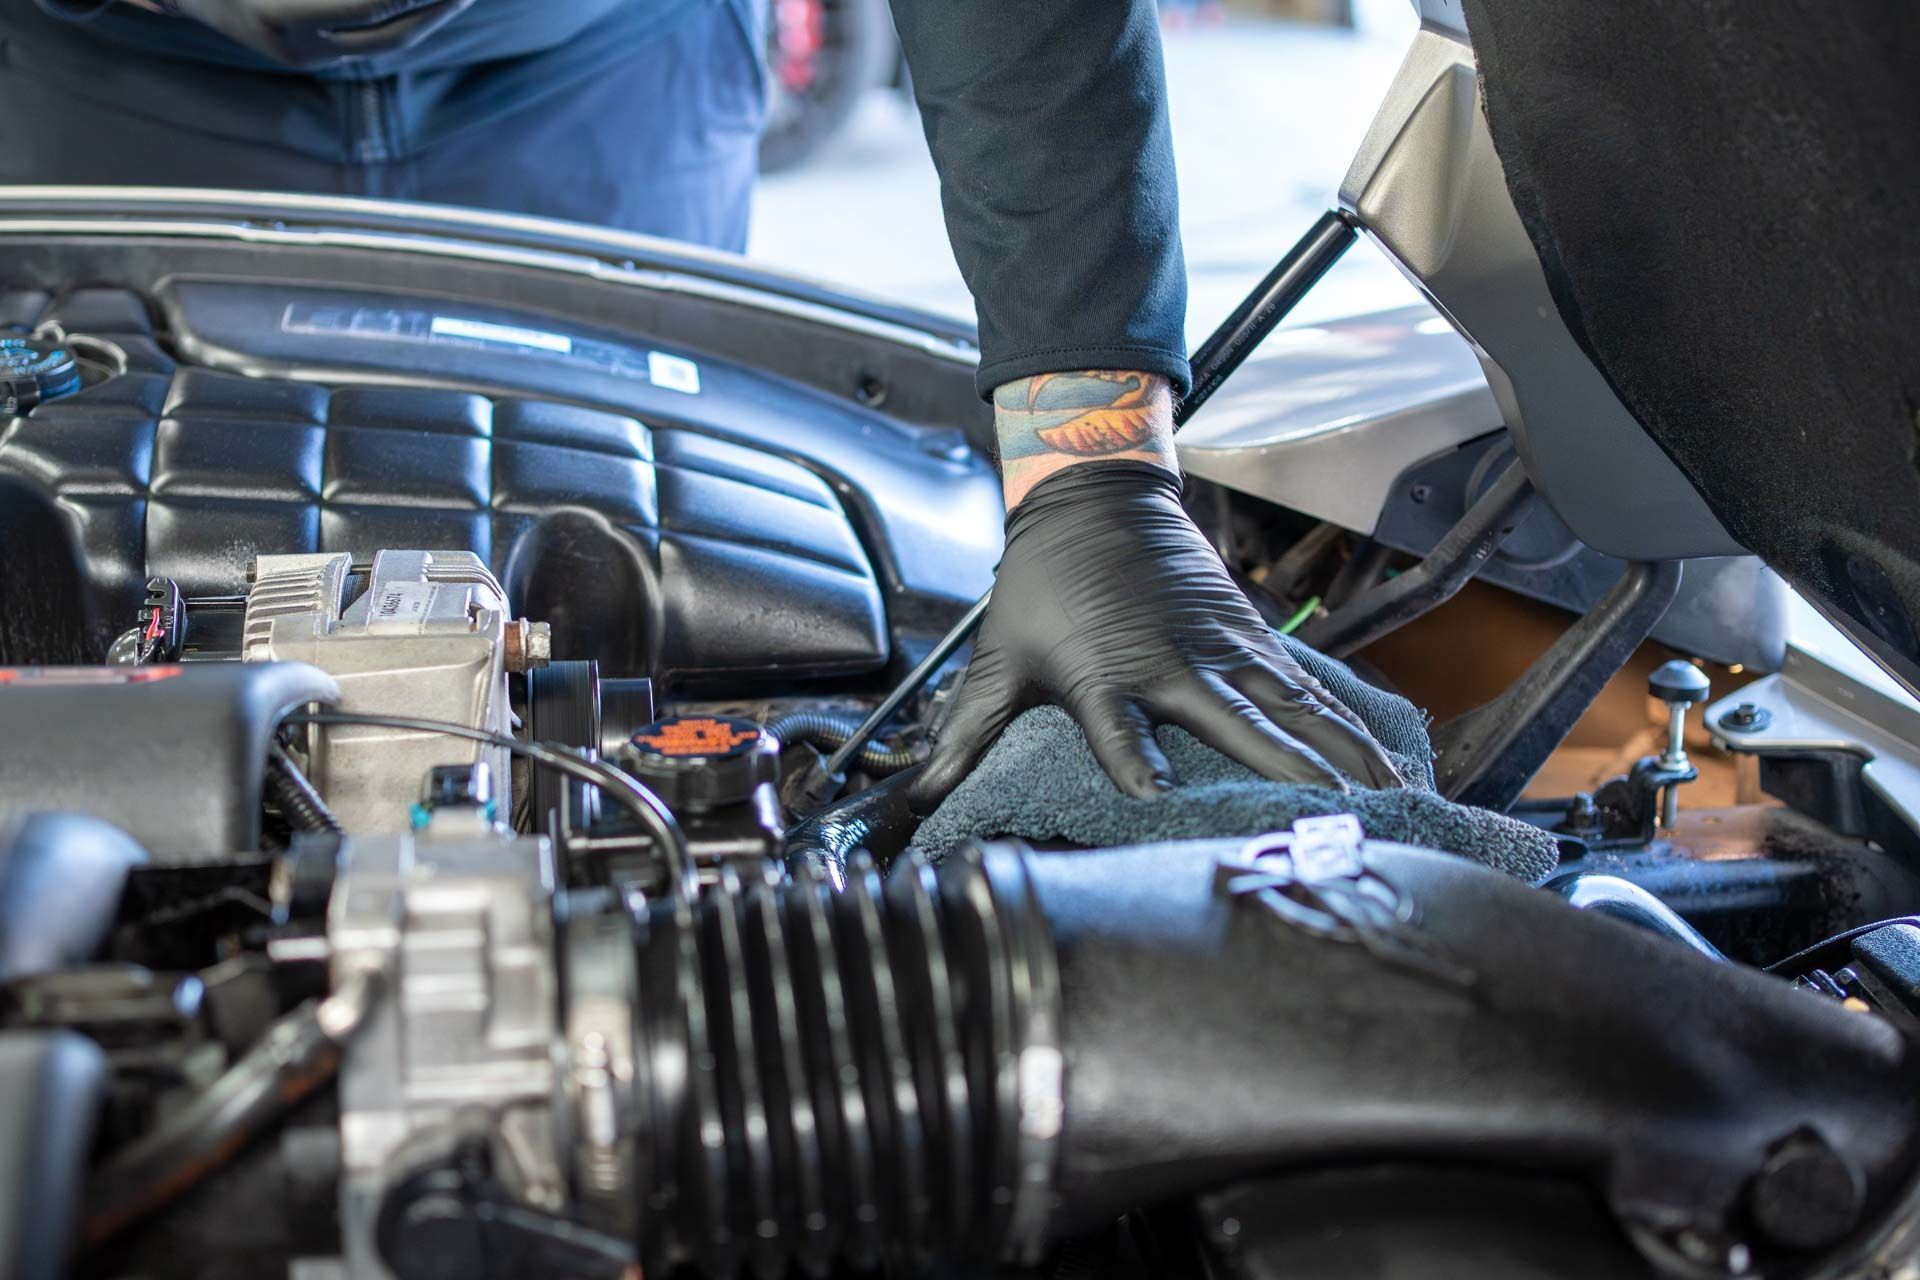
{"x":1054,"y":420}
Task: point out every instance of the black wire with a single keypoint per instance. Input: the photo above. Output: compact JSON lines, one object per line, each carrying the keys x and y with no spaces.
{"x":829,"y":731}
{"x":1800,"y":958}
{"x":623,"y":790}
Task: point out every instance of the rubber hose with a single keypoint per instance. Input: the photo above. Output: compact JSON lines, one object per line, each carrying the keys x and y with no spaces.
{"x":829,"y":731}
{"x":977,"y":1059}
{"x":831,"y":1076}
{"x":293,"y":793}
{"x":297,"y":1055}
{"x":876,"y":820}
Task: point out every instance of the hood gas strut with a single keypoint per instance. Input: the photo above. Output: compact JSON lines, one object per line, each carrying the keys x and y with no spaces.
{"x":1258,"y":314}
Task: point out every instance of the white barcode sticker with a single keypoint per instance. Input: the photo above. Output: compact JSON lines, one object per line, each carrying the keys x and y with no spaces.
{"x":673,"y":373}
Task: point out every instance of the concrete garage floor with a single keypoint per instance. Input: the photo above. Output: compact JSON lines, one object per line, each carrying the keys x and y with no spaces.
{"x":1266,"y":117}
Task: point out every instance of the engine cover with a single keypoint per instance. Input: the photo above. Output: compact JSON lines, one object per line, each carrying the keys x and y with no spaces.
{"x":657,"y":549}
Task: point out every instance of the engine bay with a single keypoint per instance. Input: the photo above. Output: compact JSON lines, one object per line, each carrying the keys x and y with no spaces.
{"x":456,"y":691}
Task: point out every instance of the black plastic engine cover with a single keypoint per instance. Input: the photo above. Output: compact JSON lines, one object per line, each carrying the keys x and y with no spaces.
{"x":656,"y":551}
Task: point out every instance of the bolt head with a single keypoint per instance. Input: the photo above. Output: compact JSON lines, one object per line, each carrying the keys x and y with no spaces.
{"x":1807,"y":1195}
{"x":1748,"y":717}
{"x":527,"y":645}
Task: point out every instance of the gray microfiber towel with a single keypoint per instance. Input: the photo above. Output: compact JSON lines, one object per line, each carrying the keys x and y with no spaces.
{"x":1041,"y":782}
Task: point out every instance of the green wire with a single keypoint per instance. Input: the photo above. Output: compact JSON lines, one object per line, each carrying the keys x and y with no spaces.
{"x":1293,"y":624}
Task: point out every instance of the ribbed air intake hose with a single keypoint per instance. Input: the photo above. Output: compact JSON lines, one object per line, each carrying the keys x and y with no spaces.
{"x":868,"y":1074}
{"x":980,"y":1059}
{"x":828,"y":731}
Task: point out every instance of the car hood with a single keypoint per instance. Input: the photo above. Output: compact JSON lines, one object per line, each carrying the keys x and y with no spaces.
{"x":1726,"y":205}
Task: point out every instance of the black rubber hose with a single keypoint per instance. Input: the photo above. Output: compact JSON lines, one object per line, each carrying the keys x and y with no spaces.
{"x":293,"y":794}
{"x":972,"y":1060}
{"x":829,"y":732}
{"x":876,"y":820}
{"x":879,"y":1064}
{"x":297,"y":1055}
{"x":1817,"y":957}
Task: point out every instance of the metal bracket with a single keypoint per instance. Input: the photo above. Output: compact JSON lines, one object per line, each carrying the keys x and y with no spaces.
{"x":1436,"y":579}
{"x":1487,"y":756}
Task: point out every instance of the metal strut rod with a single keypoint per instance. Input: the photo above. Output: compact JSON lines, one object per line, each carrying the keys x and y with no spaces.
{"x":1261,"y":311}
{"x":1225,"y":349}
{"x":921,"y":673}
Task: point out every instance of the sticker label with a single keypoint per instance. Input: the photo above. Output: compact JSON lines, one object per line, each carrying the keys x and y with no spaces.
{"x":21,"y":676}
{"x":506,"y":334}
{"x":673,"y":373}
{"x":426,"y":328}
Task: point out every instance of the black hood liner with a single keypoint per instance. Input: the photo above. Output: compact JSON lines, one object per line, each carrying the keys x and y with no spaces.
{"x":1726,"y":199}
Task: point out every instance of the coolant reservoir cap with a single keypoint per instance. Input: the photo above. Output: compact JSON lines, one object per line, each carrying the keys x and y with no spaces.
{"x":703,"y":762}
{"x":32,"y":372}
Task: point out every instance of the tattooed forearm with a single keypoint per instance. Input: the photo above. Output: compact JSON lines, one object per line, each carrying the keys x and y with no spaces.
{"x":1057,"y":419}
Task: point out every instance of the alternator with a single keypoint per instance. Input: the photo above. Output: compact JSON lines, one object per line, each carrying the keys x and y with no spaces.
{"x":429,"y":636}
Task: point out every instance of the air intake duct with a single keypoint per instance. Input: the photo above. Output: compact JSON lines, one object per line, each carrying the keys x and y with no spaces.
{"x":1010,"y":1049}
{"x":868,"y":1072}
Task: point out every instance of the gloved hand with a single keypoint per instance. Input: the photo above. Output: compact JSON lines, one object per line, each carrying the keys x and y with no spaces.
{"x":310,"y":34}
{"x":1112,"y":604}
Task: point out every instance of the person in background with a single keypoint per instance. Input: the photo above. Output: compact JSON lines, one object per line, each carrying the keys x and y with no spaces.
{"x":642,"y":115}
{"x":1048,"y":125}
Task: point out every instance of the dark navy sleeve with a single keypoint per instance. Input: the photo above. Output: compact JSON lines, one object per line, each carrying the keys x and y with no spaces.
{"x":1048,"y":124}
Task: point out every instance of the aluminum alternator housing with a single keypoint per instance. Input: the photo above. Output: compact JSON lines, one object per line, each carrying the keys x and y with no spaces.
{"x":429,"y":636}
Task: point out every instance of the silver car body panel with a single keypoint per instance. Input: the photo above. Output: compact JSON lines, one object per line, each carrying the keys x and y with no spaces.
{"x":1429,"y":188}
{"x":1323,"y":418}
{"x":1830,"y":697}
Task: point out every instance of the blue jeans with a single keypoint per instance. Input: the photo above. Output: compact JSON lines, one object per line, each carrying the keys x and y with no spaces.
{"x":658,"y":135}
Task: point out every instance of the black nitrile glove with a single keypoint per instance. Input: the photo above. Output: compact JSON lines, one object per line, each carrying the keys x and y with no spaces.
{"x":310,"y":34}
{"x":1110,"y":603}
